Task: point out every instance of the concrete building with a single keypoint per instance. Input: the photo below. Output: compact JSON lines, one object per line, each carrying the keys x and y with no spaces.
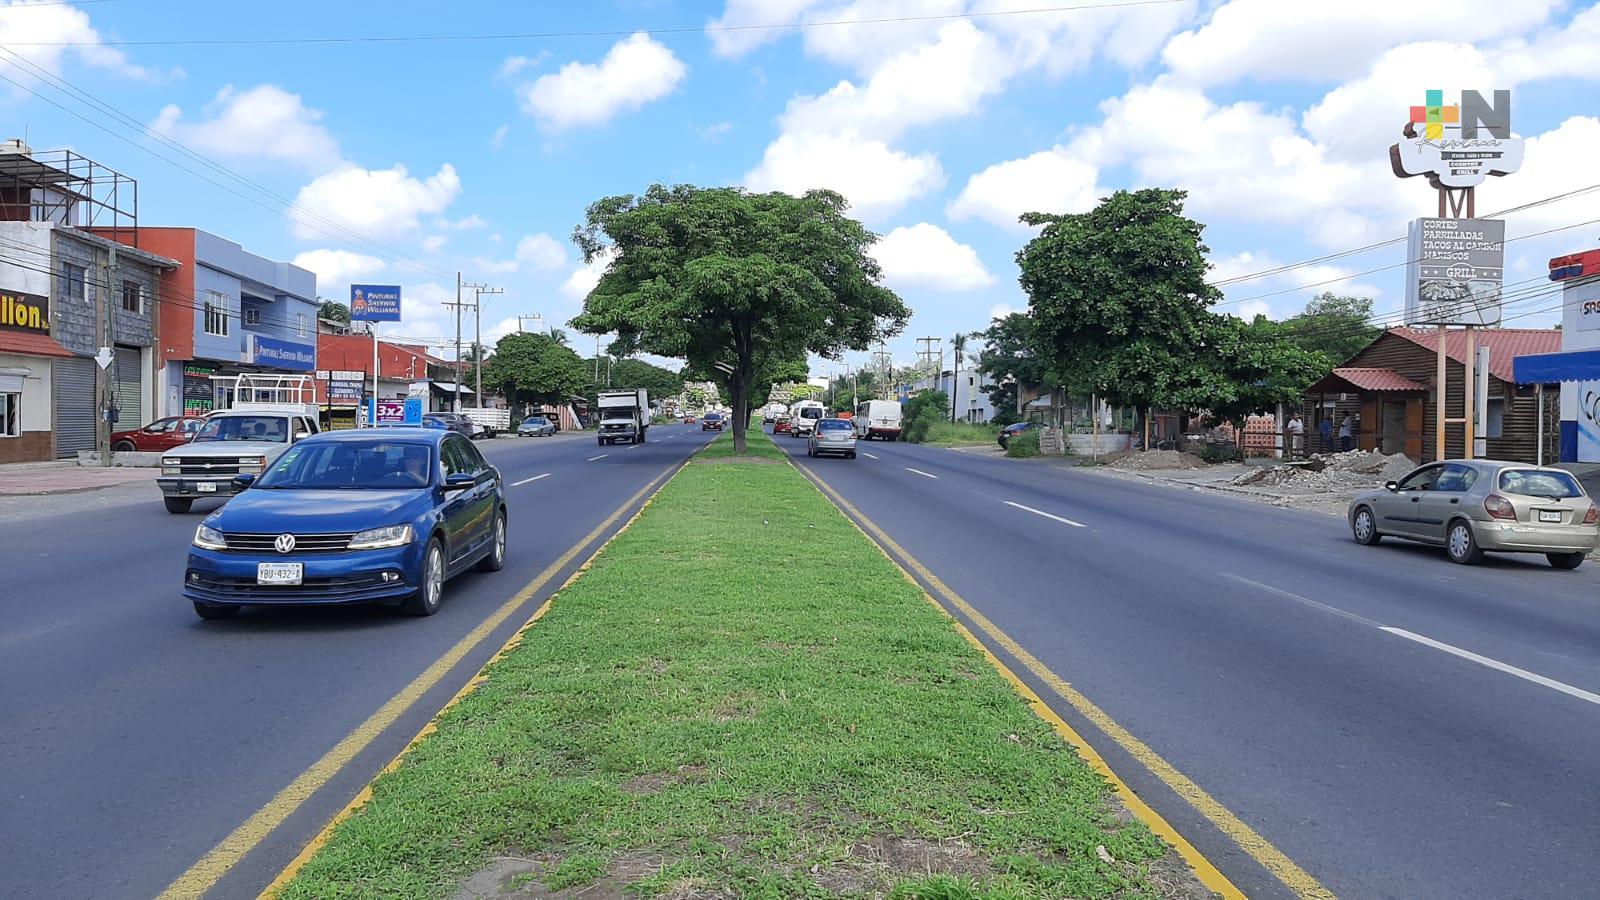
{"x":967,"y":387}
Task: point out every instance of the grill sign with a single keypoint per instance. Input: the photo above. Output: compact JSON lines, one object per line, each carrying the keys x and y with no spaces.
{"x":1453,"y":271}
{"x":24,"y":312}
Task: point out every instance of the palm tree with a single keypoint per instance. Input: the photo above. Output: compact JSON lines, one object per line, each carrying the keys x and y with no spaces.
{"x":559,"y":336}
{"x":958,"y":344}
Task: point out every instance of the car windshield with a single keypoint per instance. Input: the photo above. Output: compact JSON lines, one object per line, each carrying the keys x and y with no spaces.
{"x":833,"y":425}
{"x":350,"y":465}
{"x":534,"y":422}
{"x":272,"y":429}
{"x":811,"y":412}
{"x":1540,"y":483}
{"x":713,"y":416}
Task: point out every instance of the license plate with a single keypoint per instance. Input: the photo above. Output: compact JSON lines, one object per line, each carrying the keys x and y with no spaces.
{"x":1550,"y":515}
{"x":279,"y":573}
{"x":206,"y":487}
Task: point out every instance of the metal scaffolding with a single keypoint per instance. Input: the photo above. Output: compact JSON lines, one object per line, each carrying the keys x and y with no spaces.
{"x":64,"y":188}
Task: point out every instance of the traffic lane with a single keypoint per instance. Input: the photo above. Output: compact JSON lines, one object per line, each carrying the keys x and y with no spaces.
{"x":148,"y":735}
{"x":1284,"y":713}
{"x":1514,"y":608}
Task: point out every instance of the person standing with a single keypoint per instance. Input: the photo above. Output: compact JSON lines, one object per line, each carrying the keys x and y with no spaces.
{"x":1325,"y":428}
{"x":1347,"y":433}
{"x":1295,"y":431}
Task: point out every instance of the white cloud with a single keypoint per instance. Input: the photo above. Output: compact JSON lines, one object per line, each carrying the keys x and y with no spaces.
{"x":713,"y":134}
{"x":264,"y":122}
{"x":485,"y":266}
{"x":876,"y":178}
{"x":864,"y":47}
{"x":1277,"y":295}
{"x":44,"y":33}
{"x":635,"y":71}
{"x":433,"y":243}
{"x":338,"y":267}
{"x":1274,"y":40}
{"x":422,"y":313}
{"x":730,"y":35}
{"x":926,"y":256}
{"x":1066,"y":40}
{"x":499,"y":138}
{"x":1049,"y":181}
{"x":377,"y":203}
{"x":515,"y":65}
{"x":465,"y":223}
{"x":542,"y":252}
{"x":584,"y":278}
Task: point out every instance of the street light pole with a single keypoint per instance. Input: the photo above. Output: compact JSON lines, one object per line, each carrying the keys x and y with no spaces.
{"x":477,"y":340}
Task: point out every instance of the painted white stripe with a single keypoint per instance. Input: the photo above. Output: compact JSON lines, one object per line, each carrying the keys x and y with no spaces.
{"x":1497,"y":665}
{"x":920,"y":472}
{"x":1307,"y":601}
{"x":529,"y":480}
{"x":601,"y":456}
{"x":868,"y":455}
{"x":1040,"y":512}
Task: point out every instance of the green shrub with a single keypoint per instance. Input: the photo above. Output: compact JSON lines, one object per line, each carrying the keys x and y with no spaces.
{"x":1024,"y":445}
{"x":919,"y":414}
{"x":943,"y":432}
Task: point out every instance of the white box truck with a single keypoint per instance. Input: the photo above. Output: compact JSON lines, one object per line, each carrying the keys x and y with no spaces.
{"x":624,"y":416}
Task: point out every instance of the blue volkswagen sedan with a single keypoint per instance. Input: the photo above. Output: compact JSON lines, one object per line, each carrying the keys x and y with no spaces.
{"x":384,"y":515}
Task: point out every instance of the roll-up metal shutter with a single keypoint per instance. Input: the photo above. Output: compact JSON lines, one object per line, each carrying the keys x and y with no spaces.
{"x":130,"y":393}
{"x":74,"y":419}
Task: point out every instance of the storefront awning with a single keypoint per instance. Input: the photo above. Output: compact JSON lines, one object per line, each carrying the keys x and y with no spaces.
{"x":448,"y":387}
{"x":31,"y":343}
{"x":1550,"y":368}
{"x":1365,"y":381}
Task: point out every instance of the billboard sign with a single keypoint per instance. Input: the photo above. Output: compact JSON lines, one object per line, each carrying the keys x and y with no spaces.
{"x":25,"y":312}
{"x":345,"y":393}
{"x":279,"y":354}
{"x":394,"y":412}
{"x":1454,"y":269}
{"x":374,"y":302}
{"x":1458,"y":146}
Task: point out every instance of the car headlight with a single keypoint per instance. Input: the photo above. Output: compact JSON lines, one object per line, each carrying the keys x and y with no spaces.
{"x":379,"y":538}
{"x":247,"y":464}
{"x":208,"y":538}
{"x":171,"y":467}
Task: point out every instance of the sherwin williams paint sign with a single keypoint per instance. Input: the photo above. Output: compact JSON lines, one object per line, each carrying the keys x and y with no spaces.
{"x":24,"y":312}
{"x":375,"y":302}
{"x":283,"y":354}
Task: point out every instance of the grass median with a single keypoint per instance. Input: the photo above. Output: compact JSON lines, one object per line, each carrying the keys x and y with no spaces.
{"x":741,"y":697}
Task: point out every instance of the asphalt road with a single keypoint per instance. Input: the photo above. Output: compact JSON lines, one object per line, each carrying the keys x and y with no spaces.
{"x":134,"y":737}
{"x":1315,"y":688}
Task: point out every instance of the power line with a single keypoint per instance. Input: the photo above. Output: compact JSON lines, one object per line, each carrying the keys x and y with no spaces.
{"x":597,"y":33}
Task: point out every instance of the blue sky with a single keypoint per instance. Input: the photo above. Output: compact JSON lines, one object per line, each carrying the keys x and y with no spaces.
{"x":480,"y":155}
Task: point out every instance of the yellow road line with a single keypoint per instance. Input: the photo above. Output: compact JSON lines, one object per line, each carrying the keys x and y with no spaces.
{"x":1259,"y":848}
{"x":205,"y":873}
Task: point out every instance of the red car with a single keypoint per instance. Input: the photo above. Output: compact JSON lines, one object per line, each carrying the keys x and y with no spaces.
{"x":688,"y":420}
{"x":162,"y":434}
{"x":780,"y":425}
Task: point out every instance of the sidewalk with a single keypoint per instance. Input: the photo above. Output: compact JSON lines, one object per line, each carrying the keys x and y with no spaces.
{"x":66,"y":477}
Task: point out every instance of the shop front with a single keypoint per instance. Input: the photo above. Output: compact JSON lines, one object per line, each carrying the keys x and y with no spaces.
{"x":28,"y":356}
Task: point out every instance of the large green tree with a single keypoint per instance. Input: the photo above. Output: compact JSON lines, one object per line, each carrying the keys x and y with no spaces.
{"x":1334,"y":325}
{"x":628,"y":374}
{"x":532,"y":368}
{"x":721,"y":275}
{"x":1011,"y":356}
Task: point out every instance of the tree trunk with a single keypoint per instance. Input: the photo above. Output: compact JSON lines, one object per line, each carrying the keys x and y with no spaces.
{"x":739,"y":386}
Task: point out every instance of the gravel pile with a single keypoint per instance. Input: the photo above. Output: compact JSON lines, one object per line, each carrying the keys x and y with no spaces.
{"x":1331,"y":472}
{"x":1160,"y":459}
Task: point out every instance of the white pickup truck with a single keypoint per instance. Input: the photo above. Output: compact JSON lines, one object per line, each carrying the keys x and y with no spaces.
{"x":493,"y":421}
{"x":270,"y":412}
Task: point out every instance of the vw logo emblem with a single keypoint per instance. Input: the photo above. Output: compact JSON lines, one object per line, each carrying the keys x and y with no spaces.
{"x":284,"y":543}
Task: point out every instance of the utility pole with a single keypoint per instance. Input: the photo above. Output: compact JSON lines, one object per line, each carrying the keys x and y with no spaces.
{"x":477,"y":337}
{"x":107,"y":356}
{"x":457,"y":306}
{"x":520,"y":319}
{"x":927,"y":354}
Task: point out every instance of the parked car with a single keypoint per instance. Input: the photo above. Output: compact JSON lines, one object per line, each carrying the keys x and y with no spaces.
{"x":1475,"y":506}
{"x":832,"y":436}
{"x":456,"y":422}
{"x":370,"y":516}
{"x":535,"y":426}
{"x":162,"y":434}
{"x":780,"y":425}
{"x":712,"y":421}
{"x":1016,"y":428}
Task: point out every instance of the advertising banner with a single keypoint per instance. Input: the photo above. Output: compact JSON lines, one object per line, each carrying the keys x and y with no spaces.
{"x":1585,"y":298}
{"x":1454,"y":269}
{"x":280,"y":354}
{"x":24,"y":312}
{"x":345,"y":393}
{"x":394,"y":412}
{"x":375,"y":302}
{"x":1589,"y":421}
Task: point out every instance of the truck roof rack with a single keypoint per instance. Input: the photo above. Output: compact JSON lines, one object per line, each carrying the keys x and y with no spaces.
{"x":275,"y":393}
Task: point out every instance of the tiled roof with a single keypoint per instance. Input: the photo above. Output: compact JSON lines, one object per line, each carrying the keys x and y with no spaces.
{"x":1378,"y":380}
{"x":31,"y":343}
{"x":1505,"y":344}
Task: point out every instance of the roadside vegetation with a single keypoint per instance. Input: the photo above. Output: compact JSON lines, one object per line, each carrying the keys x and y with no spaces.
{"x":961,"y":434}
{"x":670,"y":729}
{"x":1024,"y":445}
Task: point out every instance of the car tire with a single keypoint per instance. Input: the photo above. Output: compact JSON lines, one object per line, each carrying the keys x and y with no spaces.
{"x":178,"y":504}
{"x":850,"y":455}
{"x":1565,"y":560}
{"x":425,"y":602}
{"x":123,"y":447}
{"x":1364,"y":527}
{"x":211,"y":611}
{"x":496,"y":558}
{"x":1460,"y":544}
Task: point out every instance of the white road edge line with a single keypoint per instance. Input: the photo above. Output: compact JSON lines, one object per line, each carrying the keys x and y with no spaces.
{"x":1307,"y":601}
{"x":593,"y":458}
{"x":1040,"y":512}
{"x":1496,"y":664}
{"x":529,"y":480}
{"x":920,"y":472}
{"x":868,"y":455}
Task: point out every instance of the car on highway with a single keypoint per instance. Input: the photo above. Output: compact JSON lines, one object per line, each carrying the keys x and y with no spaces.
{"x":1472,"y":507}
{"x":535,"y":426}
{"x":162,"y":434}
{"x":458,"y":423}
{"x":1014,"y":429}
{"x":240,"y":441}
{"x":688,"y":420}
{"x":712,"y":421}
{"x":383,"y":515}
{"x":835,"y":436}
{"x":877,"y":419}
{"x":780,"y":424}
{"x":803,"y":417}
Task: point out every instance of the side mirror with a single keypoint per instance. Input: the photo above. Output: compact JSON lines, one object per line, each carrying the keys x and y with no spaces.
{"x":459,"y":481}
{"x":1391,"y":486}
{"x":301,"y":435}
{"x":242,"y":482}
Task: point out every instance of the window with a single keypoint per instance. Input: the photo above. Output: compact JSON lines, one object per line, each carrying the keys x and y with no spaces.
{"x":1421,"y":480}
{"x":456,"y":459}
{"x":132,"y":297}
{"x":1495,"y":422}
{"x":216,"y":308}
{"x":1545,"y":483}
{"x":1456,"y":478}
{"x":10,"y":415}
{"x":72,"y":280}
{"x":303,"y":325}
{"x":252,"y":315}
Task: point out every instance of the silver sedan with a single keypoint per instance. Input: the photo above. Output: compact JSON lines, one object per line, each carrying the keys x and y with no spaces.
{"x":832,"y":436}
{"x":1471,"y":507}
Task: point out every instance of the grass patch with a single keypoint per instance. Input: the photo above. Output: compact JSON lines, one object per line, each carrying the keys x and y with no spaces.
{"x":708,"y":712}
{"x":721,"y":448}
{"x":1023,"y":445}
{"x":960,"y":434}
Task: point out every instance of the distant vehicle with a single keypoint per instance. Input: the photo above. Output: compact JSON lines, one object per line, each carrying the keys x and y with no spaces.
{"x":162,"y":434}
{"x":688,"y":420}
{"x":241,"y":440}
{"x":493,"y":420}
{"x":780,"y":424}
{"x":456,"y":422}
{"x":381,"y":515}
{"x":713,"y":421}
{"x":803,"y":417}
{"x":1475,"y":506}
{"x":624,"y":416}
{"x":535,"y":426}
{"x":832,"y":436}
{"x":1014,"y":429}
{"x":877,"y":419}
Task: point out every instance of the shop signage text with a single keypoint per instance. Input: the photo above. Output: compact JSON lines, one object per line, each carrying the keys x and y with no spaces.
{"x":1458,"y":146}
{"x":375,"y":302}
{"x":1453,"y":271}
{"x":24,"y":312}
{"x":283,"y":354}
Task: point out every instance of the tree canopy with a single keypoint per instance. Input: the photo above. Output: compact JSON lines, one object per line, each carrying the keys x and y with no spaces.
{"x":532,"y":368}
{"x":721,"y":275}
{"x":334,"y":311}
{"x":1334,"y":325}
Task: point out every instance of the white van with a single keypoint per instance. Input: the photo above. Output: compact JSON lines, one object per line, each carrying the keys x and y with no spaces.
{"x":803,"y":417}
{"x":878,"y":419}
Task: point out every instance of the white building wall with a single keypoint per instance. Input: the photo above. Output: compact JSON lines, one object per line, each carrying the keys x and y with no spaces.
{"x":1580,"y":330}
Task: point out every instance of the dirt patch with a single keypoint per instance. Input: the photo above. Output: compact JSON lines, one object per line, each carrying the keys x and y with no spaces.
{"x":519,"y":878}
{"x":1159,"y":459}
{"x":653,"y":782}
{"x":1355,"y":469}
{"x":877,"y":862}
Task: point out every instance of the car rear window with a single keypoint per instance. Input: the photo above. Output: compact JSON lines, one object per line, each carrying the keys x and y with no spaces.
{"x":811,"y":412}
{"x":1540,"y":483}
{"x":833,"y":425}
